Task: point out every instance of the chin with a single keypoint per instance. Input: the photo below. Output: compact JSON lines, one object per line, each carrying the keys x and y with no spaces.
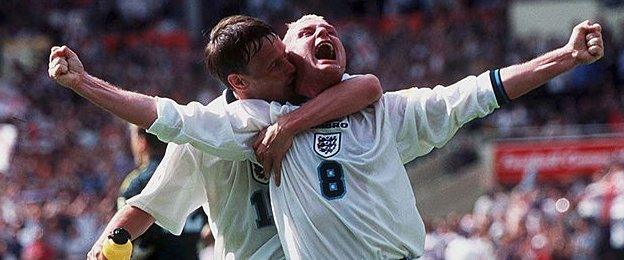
{"x":330,"y":71}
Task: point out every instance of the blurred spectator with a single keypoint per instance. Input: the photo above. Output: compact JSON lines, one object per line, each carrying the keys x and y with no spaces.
{"x":156,"y":242}
{"x":70,"y":156}
{"x":540,"y":221}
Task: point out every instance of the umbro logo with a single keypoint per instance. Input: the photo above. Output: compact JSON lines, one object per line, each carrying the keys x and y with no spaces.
{"x":334,"y":124}
{"x":327,"y":145}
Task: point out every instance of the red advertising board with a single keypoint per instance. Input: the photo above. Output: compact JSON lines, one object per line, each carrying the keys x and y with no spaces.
{"x":554,"y":159}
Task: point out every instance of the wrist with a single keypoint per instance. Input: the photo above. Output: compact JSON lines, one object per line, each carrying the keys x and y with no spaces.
{"x":290,"y":124}
{"x":83,"y":79}
{"x":568,"y":56}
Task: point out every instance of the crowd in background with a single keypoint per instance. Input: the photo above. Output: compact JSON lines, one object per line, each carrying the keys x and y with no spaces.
{"x":582,"y":219}
{"x":62,"y":182}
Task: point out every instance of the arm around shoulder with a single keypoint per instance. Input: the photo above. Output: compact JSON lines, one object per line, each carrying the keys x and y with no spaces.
{"x":370,"y":88}
{"x":342,"y":99}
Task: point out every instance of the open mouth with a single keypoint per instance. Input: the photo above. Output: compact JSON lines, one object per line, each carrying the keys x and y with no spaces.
{"x":325,"y":51}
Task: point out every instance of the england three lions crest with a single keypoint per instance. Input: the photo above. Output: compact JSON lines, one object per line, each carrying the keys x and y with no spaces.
{"x":326,"y":145}
{"x":258,"y":173}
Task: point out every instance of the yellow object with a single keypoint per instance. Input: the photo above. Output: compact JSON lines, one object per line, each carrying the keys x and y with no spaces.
{"x":118,"y":245}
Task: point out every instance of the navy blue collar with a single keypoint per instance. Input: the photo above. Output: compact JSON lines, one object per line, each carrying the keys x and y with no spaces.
{"x":229,"y":96}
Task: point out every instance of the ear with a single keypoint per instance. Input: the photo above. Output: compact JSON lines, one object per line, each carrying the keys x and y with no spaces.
{"x":237,"y":82}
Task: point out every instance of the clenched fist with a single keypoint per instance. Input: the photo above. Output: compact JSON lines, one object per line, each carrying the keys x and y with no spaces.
{"x":65,"y":67}
{"x":586,"y":43}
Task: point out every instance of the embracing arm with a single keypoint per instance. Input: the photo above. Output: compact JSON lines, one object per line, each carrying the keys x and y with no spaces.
{"x":67,"y":70}
{"x":343,"y":99}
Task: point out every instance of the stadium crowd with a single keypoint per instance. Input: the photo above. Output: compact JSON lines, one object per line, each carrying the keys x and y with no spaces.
{"x":582,"y":219}
{"x":62,"y":182}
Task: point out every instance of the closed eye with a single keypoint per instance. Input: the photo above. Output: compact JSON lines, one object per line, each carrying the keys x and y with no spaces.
{"x":331,"y":31}
{"x":305,"y":33}
{"x":280,"y":62}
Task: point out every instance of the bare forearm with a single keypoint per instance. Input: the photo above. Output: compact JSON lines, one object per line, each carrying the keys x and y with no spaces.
{"x":133,"y":107}
{"x":132,"y":219}
{"x":341,"y":100}
{"x":522,"y":78}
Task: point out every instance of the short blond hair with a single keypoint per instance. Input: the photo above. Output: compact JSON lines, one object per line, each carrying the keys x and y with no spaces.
{"x":294,"y":24}
{"x":305,"y":18}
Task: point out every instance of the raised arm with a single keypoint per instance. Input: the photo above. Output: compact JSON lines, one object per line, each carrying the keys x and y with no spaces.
{"x":205,"y":127}
{"x":585,"y":46}
{"x":67,"y":70}
{"x":343,"y":99}
{"x":428,"y":118}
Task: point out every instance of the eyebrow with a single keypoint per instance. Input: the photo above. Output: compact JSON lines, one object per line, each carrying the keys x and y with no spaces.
{"x":328,"y":26}
{"x":309,"y":27}
{"x":313,"y":27}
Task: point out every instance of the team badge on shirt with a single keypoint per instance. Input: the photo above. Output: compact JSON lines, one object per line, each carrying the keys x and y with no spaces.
{"x":258,"y":173}
{"x":326,"y":145}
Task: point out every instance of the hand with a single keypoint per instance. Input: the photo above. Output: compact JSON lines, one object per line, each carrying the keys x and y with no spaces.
{"x":65,"y":67}
{"x":271,"y":146}
{"x":96,"y":252}
{"x":586,"y":43}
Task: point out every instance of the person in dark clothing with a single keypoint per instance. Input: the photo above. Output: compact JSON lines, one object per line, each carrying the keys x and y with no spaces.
{"x":157,"y":243}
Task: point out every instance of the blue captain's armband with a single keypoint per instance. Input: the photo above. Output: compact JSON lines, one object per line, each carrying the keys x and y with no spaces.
{"x":499,"y":89}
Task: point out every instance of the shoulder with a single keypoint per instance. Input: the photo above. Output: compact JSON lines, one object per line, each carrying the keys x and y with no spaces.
{"x":393,"y":98}
{"x":252,"y":107}
{"x":218,"y":103}
{"x":128,"y":179}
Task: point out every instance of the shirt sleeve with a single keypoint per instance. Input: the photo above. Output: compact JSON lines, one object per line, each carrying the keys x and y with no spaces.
{"x":225,"y":133}
{"x":425,"y":118}
{"x":175,"y":190}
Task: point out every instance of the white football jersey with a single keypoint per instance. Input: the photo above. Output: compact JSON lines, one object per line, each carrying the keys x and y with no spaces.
{"x":232,"y":193}
{"x":344,"y":192}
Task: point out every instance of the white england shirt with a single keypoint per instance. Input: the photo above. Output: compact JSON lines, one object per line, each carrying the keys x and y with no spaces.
{"x":344,"y":192}
{"x":232,"y":193}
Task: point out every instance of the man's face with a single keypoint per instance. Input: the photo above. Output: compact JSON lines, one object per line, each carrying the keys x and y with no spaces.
{"x":137,"y":144}
{"x":319,"y":53}
{"x":270,"y":73}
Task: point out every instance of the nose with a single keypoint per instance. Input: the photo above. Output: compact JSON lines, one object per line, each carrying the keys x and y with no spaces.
{"x":321,"y":32}
{"x":289,"y":67}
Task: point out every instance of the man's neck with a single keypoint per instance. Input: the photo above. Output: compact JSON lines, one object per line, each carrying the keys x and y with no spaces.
{"x":312,"y":86}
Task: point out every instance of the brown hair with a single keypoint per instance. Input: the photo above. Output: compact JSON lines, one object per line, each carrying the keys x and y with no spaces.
{"x":232,"y":44}
{"x":156,"y":147}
